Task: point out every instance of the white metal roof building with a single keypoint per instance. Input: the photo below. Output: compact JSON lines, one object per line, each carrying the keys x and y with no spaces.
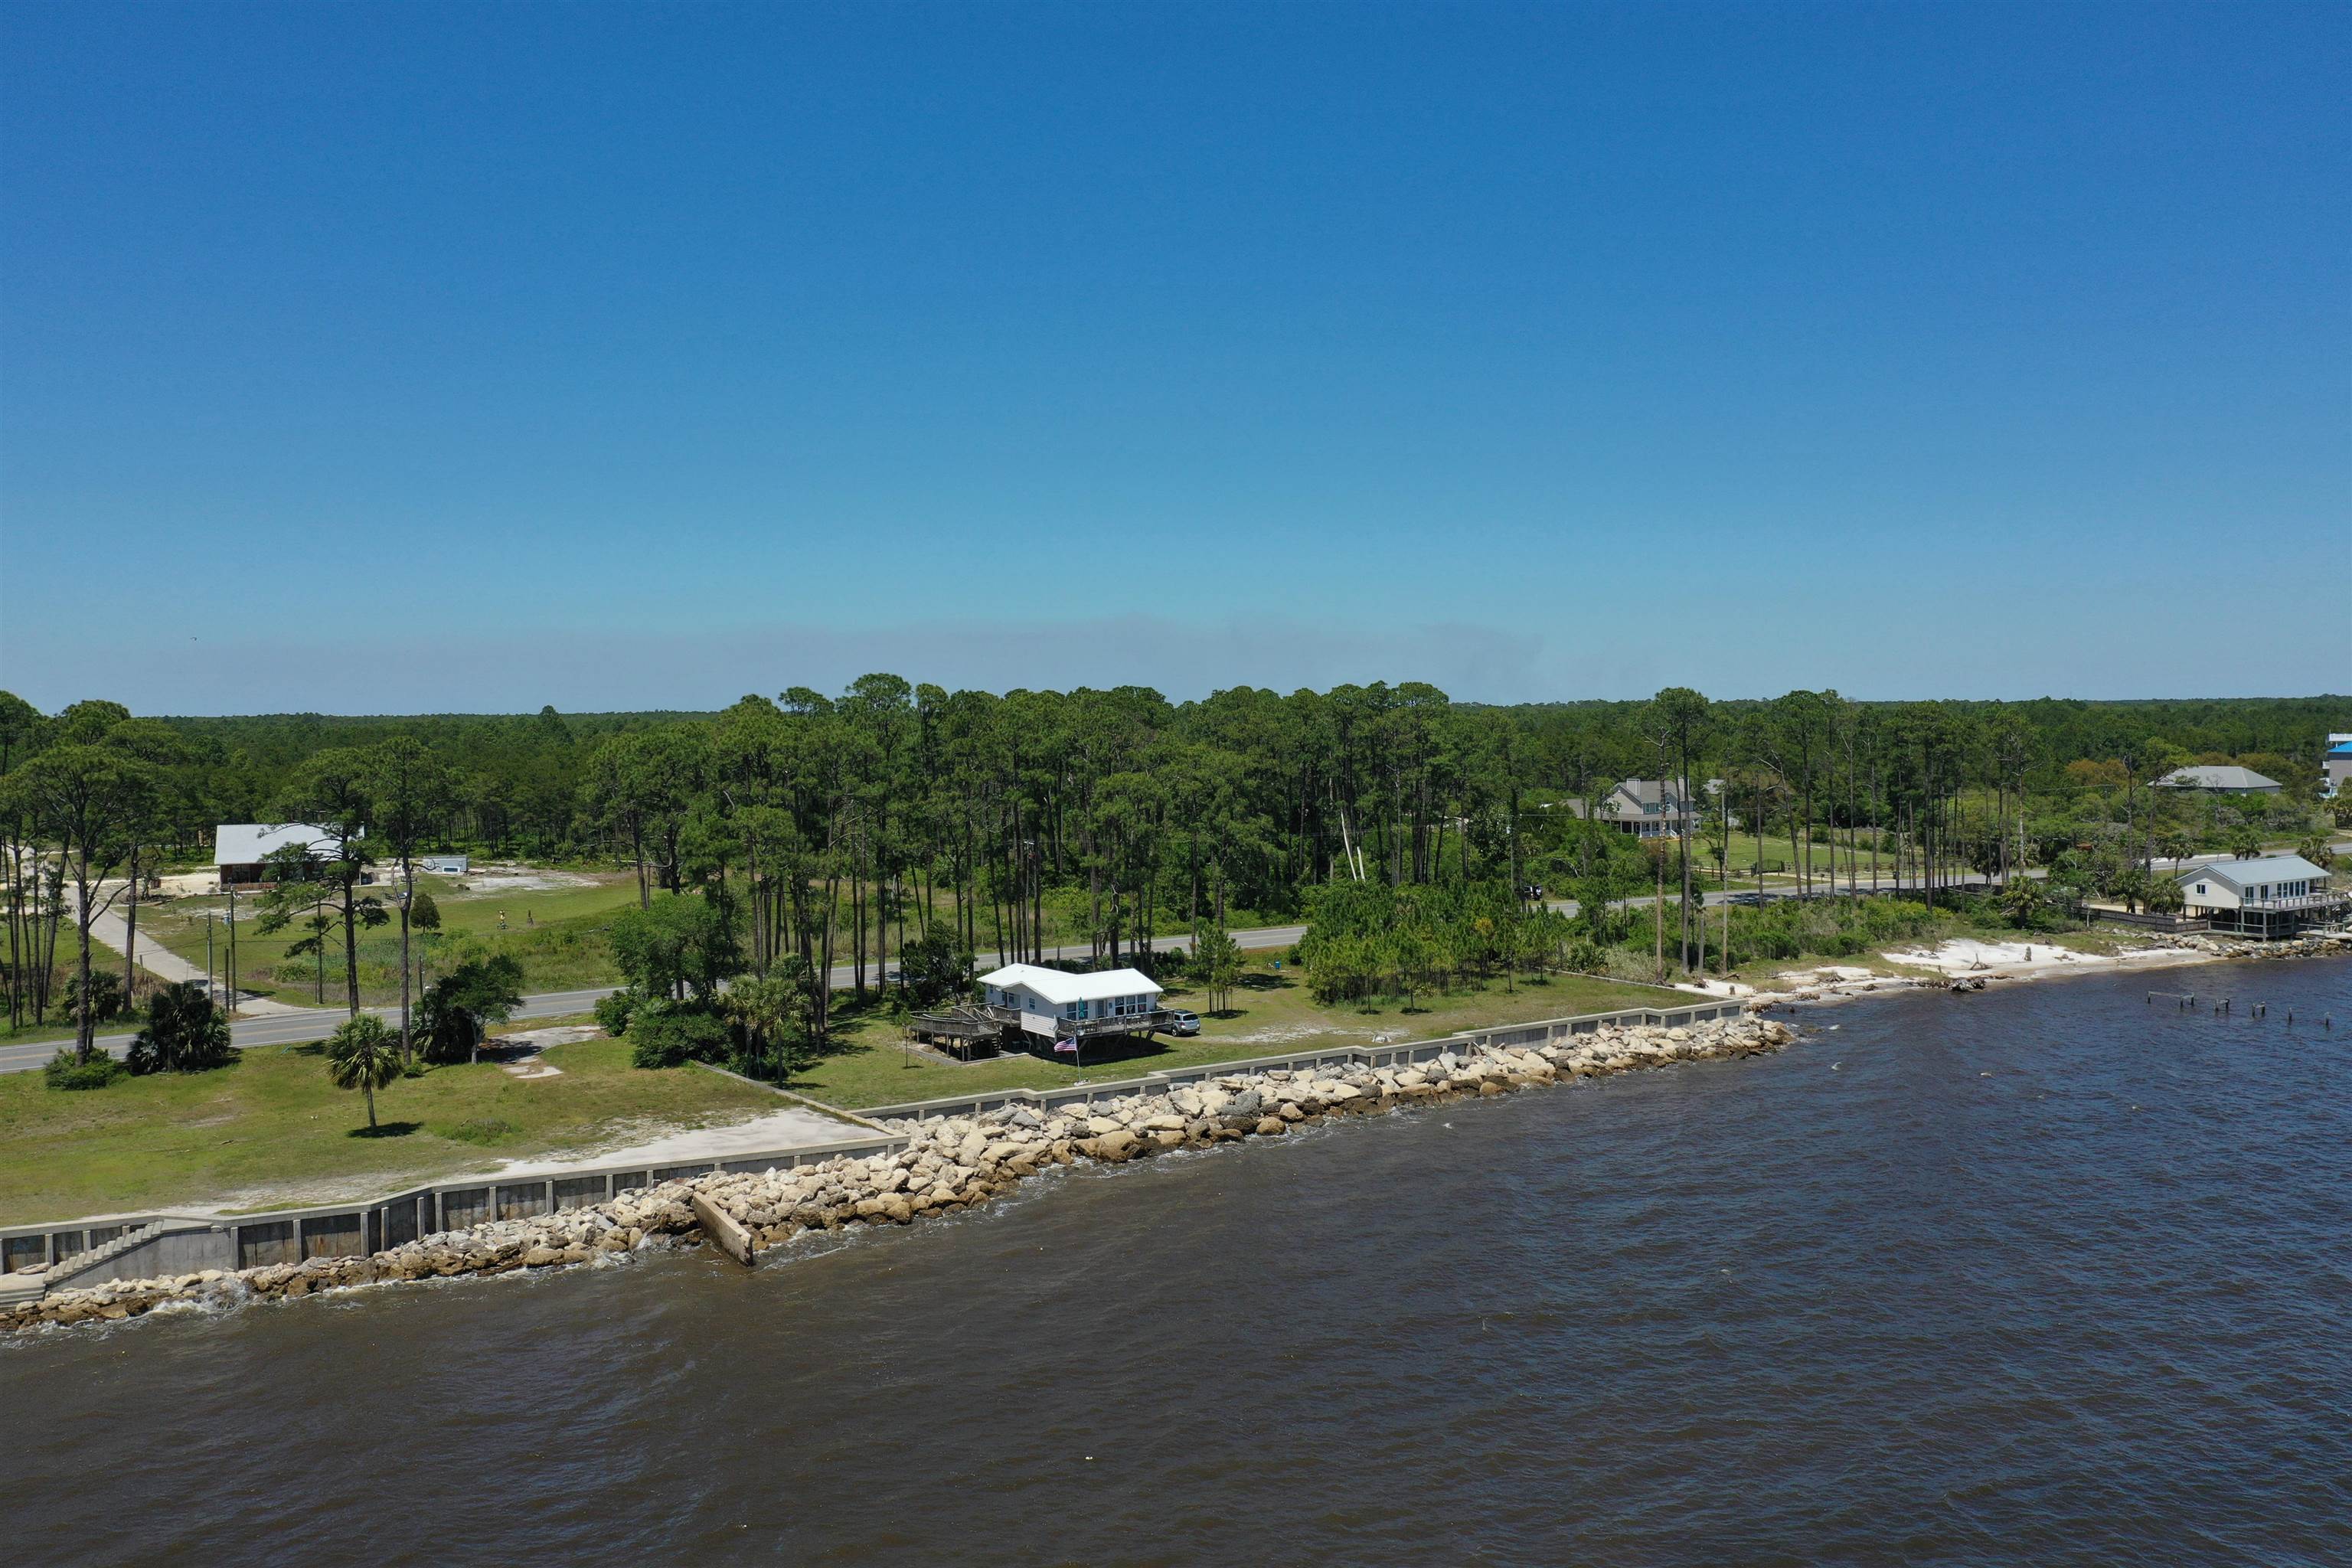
{"x":1055,"y":1001}
{"x":240,"y":848}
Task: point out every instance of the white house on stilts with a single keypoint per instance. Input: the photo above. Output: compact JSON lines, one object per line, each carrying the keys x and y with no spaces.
{"x":1053,"y":1005}
{"x":2273,"y":896}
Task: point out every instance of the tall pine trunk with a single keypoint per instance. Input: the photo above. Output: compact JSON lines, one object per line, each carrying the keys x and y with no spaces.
{"x":351,"y":942}
{"x":131,"y":937}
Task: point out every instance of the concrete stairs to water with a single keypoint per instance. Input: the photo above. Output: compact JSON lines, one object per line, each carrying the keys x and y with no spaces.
{"x":60,"y":1273}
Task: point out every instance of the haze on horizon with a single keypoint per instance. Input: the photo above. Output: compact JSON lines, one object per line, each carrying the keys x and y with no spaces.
{"x":369,"y":359}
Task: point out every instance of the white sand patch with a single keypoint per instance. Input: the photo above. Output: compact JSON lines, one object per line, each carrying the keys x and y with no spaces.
{"x":542,"y":1039}
{"x":2023,"y":960}
{"x":1715,"y":987}
{"x":1827,"y":974}
{"x":1836,"y":982}
{"x":491,"y":880}
{"x":519,"y":1053}
{"x":771,"y":1131}
{"x":1288,"y":1033}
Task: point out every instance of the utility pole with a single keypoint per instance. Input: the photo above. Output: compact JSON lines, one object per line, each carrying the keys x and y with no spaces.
{"x":232,"y":951}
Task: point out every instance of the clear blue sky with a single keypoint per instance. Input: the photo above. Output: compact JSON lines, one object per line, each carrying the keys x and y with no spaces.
{"x":384,"y":358}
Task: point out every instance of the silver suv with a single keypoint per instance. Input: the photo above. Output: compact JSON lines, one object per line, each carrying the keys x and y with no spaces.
{"x":1179,"y":1022}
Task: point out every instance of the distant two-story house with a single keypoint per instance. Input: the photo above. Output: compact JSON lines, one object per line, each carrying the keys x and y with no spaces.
{"x":2336,"y":764}
{"x":2271,"y":896}
{"x":1648,"y":808}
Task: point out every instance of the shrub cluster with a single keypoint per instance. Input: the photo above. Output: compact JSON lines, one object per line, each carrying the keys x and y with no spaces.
{"x":65,"y":1070}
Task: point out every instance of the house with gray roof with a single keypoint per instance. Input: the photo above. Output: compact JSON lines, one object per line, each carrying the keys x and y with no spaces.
{"x":1647,"y":808}
{"x":2268,"y":896}
{"x":241,"y":850}
{"x":2229,"y":779}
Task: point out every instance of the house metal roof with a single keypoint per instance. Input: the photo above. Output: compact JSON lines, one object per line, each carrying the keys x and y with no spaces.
{"x":1062,"y":988}
{"x":2217,"y":778}
{"x":1664,"y":794}
{"x":2255,"y":873}
{"x":249,"y":843}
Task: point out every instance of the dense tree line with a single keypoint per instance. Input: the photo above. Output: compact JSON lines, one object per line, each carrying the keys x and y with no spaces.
{"x":848,"y":828}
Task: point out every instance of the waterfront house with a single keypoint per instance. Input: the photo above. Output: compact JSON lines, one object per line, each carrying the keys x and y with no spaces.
{"x":2272,"y":896}
{"x":2218,"y":781}
{"x":1053,"y":1004}
{"x":241,"y":850}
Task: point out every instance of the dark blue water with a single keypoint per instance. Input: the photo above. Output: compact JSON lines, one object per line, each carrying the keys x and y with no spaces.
{"x":2046,"y":1276}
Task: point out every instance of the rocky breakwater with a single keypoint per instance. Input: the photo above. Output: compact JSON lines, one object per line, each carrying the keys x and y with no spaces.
{"x":2318,"y":944}
{"x":947,"y":1164}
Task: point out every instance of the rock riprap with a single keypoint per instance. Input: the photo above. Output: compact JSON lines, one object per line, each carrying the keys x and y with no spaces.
{"x":948,"y":1163}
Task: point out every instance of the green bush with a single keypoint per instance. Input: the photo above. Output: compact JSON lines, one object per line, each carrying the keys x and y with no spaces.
{"x":105,"y":995}
{"x":674,"y":1033}
{"x":1366,"y":938}
{"x":482,"y":1130}
{"x":65,"y":1071}
{"x":613,"y":1011}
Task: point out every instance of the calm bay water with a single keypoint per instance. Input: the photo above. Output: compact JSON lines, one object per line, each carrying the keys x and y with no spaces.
{"x":2045,"y":1276}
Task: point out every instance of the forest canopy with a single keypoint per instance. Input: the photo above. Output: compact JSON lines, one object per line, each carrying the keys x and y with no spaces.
{"x":815,"y":825}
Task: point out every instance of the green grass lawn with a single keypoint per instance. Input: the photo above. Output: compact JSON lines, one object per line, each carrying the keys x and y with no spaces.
{"x":272,"y":1130}
{"x":1269,"y":1014}
{"x":1790,"y":853}
{"x":558,"y":935}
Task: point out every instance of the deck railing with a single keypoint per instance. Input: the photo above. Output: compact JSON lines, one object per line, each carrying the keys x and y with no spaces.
{"x":2297,"y":901}
{"x":1111,"y":1023}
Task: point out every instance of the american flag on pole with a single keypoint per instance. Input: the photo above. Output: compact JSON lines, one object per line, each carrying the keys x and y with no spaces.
{"x":1068,"y":1048}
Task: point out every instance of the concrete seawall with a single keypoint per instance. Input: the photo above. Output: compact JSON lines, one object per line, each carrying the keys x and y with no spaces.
{"x":79,"y":1255}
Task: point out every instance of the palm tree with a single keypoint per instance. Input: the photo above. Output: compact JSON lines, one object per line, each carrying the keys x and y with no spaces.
{"x":363,"y":1055}
{"x":766,"y":1010}
{"x":2020,"y":900}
